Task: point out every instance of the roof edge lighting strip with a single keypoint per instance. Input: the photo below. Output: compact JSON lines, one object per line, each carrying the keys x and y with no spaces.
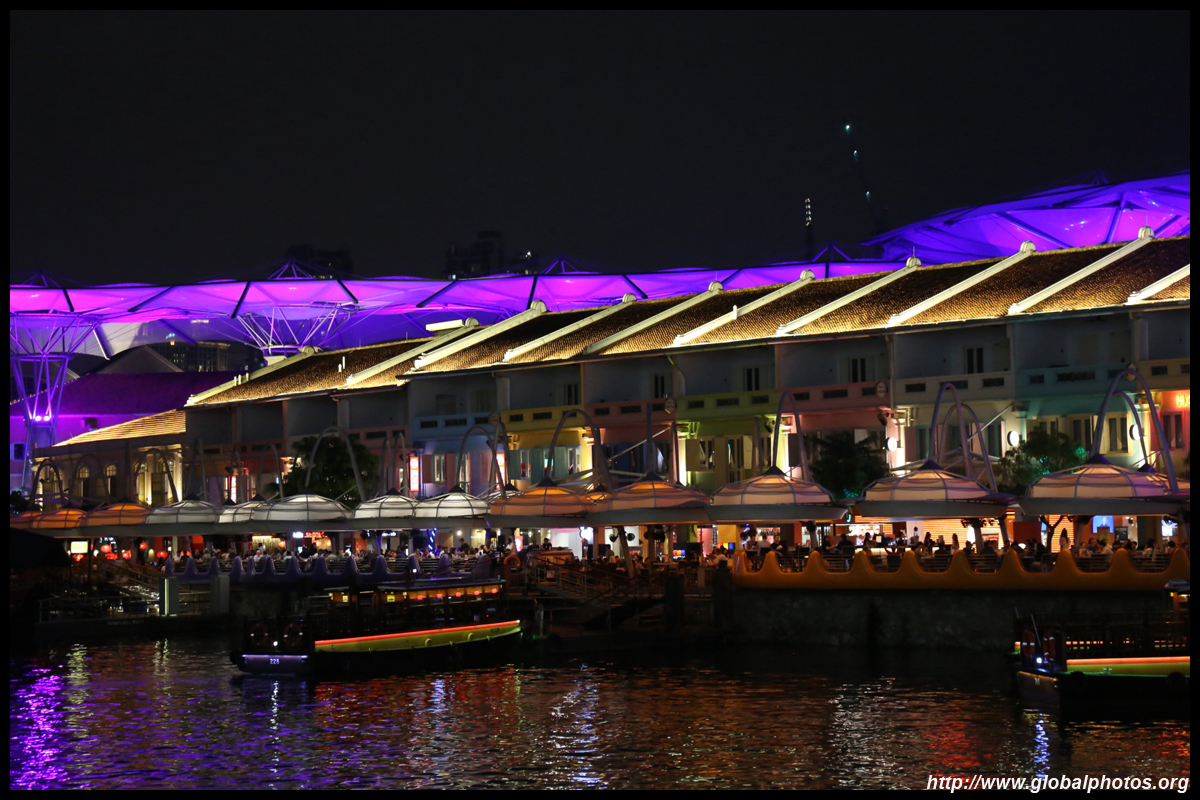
{"x":1159,"y":285}
{"x":535,"y":310}
{"x":805,"y":277}
{"x":1027,"y":249}
{"x":521,"y":350}
{"x":1145,"y":236}
{"x":713,"y":289}
{"x":857,"y":294}
{"x":468,"y":326}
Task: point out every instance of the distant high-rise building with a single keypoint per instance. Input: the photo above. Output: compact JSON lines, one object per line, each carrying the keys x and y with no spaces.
{"x":485,"y":256}
{"x":210,"y":356}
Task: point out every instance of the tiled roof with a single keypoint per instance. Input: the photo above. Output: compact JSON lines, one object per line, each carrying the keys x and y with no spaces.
{"x":763,"y":322}
{"x":1112,"y":285}
{"x":320,"y":372}
{"x":167,"y":423}
{"x":105,"y":393}
{"x":877,"y":308}
{"x":663,"y":334}
{"x":1179,"y":290}
{"x":993,"y":296}
{"x":492,"y":350}
{"x":574,"y":343}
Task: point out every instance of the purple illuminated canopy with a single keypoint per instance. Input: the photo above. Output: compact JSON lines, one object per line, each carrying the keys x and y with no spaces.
{"x":290,"y":309}
{"x":288,"y":312}
{"x":1067,"y":216}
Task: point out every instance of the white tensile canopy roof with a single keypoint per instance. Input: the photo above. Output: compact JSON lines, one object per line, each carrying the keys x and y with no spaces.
{"x":930,"y":492}
{"x":1099,"y":487}
{"x":190,"y":509}
{"x":243,"y":512}
{"x":774,"y":496}
{"x":301,"y":508}
{"x":390,"y":505}
{"x":652,"y":500}
{"x":452,"y":504}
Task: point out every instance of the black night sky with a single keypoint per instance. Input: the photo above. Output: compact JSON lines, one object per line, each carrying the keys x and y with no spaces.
{"x":168,"y":148}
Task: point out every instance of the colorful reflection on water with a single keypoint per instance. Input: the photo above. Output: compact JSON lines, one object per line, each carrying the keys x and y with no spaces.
{"x":176,"y":714}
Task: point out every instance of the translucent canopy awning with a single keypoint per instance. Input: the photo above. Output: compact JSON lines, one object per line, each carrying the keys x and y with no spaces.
{"x":390,"y":505}
{"x":188,"y":510}
{"x":543,"y":506}
{"x":63,"y":518}
{"x":117,"y":514}
{"x":1099,"y":487}
{"x":301,"y":508}
{"x":454,"y":504}
{"x":243,"y":512}
{"x":24,"y":520}
{"x":930,"y":492}
{"x":773,"y":496}
{"x":650,"y":501}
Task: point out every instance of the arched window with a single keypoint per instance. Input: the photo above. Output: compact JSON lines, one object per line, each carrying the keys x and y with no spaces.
{"x":83,"y":482}
{"x":110,"y":480}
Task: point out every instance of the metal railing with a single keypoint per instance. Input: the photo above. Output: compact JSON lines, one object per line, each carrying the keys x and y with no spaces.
{"x":841,"y":561}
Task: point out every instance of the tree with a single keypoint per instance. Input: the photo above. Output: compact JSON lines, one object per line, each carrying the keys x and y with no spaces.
{"x":846,"y":467}
{"x":1042,"y":452}
{"x":332,"y":472}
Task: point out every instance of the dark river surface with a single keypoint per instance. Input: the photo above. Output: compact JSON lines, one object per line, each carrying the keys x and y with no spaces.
{"x":174,"y":713}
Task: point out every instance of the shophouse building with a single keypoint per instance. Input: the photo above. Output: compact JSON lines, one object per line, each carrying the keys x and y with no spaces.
{"x":1030,"y":339}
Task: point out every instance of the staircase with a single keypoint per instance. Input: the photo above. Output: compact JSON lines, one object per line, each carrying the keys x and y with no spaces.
{"x":616,"y":598}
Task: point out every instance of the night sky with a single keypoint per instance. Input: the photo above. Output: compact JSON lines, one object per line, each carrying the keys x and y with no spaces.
{"x":168,"y":148}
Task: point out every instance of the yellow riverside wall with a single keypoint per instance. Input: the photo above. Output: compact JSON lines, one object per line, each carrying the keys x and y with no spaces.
{"x":1065,"y":576}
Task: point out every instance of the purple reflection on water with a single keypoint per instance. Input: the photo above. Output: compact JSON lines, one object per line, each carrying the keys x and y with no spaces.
{"x":174,"y":714}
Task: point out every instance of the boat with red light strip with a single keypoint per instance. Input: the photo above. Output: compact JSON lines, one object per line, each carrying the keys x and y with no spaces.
{"x":372,"y":628}
{"x":1142,"y":662}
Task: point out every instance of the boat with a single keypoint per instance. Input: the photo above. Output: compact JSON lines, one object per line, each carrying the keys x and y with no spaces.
{"x":1139,"y":663}
{"x":387,"y":627}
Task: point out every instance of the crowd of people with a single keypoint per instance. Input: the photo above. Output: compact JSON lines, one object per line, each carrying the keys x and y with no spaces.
{"x":1033,"y":552}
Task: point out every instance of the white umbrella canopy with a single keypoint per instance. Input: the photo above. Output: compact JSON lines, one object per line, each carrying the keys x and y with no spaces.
{"x":930,"y":492}
{"x":389,"y":505}
{"x":1100,"y":487}
{"x":191,"y":509}
{"x":242,"y":512}
{"x":453,"y":504}
{"x":301,"y":508}
{"x":774,"y":496}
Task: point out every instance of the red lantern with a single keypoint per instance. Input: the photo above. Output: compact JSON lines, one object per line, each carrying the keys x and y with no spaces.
{"x":125,"y":554}
{"x":78,"y":556}
{"x":106,"y":548}
{"x":282,"y":544}
{"x":163,"y":554}
{"x":111,"y":556}
{"x":141,"y":545}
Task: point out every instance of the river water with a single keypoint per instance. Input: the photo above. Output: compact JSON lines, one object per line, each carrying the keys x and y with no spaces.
{"x":174,"y":713}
